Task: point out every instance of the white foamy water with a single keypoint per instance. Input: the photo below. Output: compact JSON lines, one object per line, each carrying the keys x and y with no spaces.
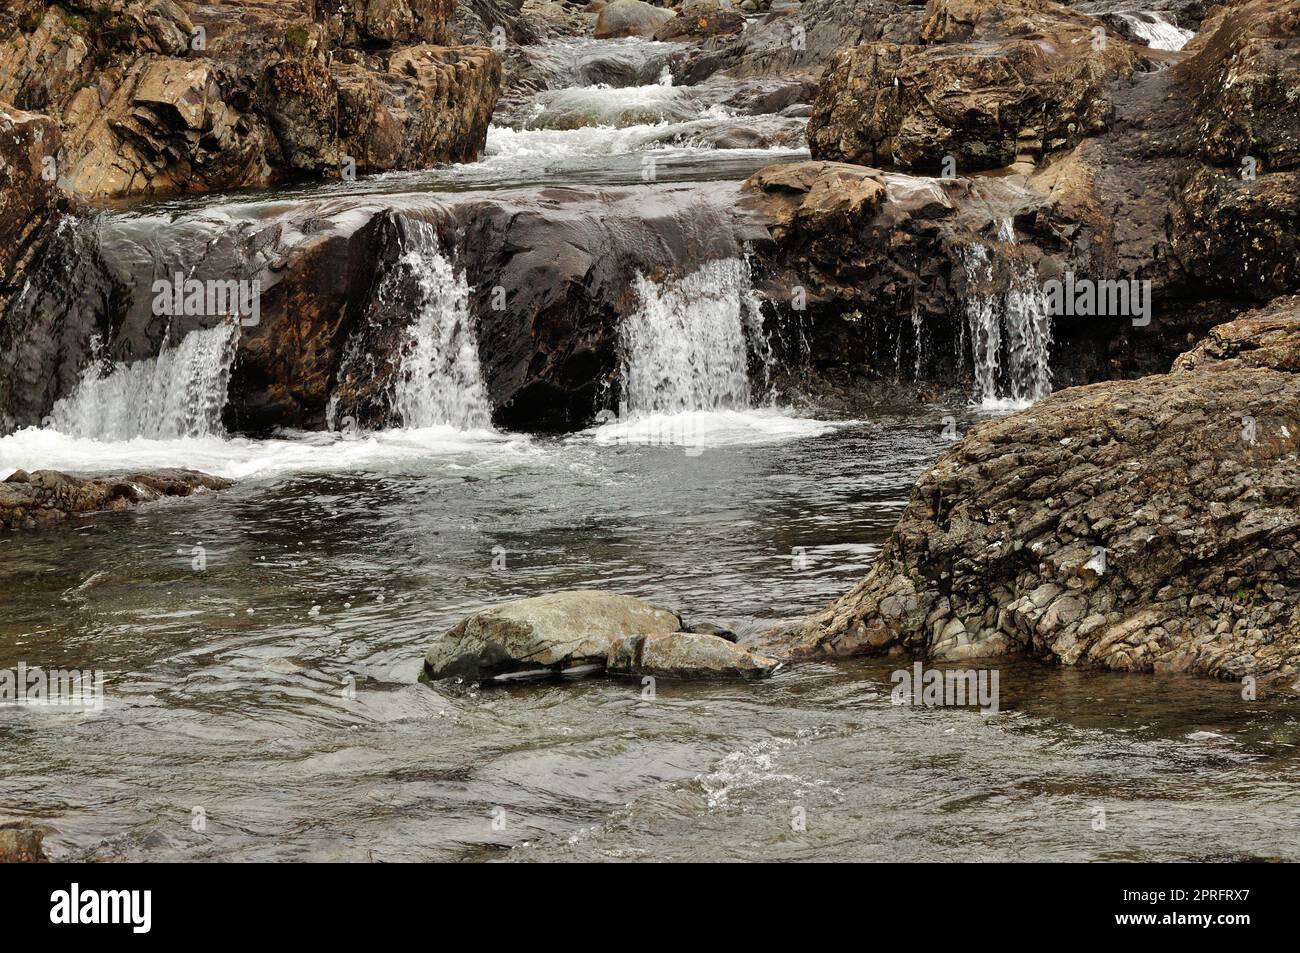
{"x":179,"y":393}
{"x":237,"y":458}
{"x":684,"y":348}
{"x":1010,"y":333}
{"x":697,"y":431}
{"x":579,"y":106}
{"x":440,"y":381}
{"x":1158,"y":32}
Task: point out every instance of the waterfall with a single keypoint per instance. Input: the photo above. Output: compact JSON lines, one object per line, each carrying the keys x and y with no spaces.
{"x":1010,"y":330}
{"x":1158,"y":32}
{"x":685,"y":347}
{"x":179,"y":393}
{"x":439,"y":381}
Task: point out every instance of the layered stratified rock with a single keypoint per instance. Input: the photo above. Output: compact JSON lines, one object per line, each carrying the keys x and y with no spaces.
{"x":1147,"y":525}
{"x":29,"y":500}
{"x":581,"y":632}
{"x":156,"y":96}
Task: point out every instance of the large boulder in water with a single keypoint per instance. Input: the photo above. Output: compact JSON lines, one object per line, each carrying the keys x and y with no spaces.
{"x":1146,"y":525}
{"x":630,"y":18}
{"x":557,"y":632}
{"x":580,"y":632}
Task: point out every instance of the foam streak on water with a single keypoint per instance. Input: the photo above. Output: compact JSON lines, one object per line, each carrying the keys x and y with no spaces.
{"x":179,"y":393}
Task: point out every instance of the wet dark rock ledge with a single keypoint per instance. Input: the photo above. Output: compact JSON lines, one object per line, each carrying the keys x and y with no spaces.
{"x":30,"y":500}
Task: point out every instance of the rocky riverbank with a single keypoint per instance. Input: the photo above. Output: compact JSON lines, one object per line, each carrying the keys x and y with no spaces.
{"x":1146,"y":525}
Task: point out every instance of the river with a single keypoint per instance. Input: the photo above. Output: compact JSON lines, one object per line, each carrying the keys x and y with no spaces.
{"x":261,"y":645}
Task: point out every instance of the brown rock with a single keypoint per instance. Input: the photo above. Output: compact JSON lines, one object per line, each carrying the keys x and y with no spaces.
{"x":630,"y":18}
{"x":28,"y":500}
{"x":21,"y":845}
{"x":1012,"y":79}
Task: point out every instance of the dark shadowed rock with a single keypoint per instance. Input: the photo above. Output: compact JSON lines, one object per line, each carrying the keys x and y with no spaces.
{"x":29,"y":144}
{"x":1147,"y":525}
{"x":28,"y":500}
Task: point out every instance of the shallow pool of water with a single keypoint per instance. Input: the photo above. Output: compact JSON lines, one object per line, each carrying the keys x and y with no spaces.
{"x":273,"y":693}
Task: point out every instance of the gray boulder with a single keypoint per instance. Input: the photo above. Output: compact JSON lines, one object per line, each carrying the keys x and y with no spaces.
{"x":686,"y":655}
{"x":585,"y":632}
{"x":556,"y":633}
{"x":630,"y":18}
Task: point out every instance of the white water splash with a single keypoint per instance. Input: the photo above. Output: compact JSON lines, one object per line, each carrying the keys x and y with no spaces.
{"x":440,"y":381}
{"x":1010,"y":333}
{"x":179,"y":393}
{"x":685,"y":348}
{"x":1158,"y":32}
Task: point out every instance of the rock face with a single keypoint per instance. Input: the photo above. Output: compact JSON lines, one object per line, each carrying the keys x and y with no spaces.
{"x":630,"y":18}
{"x":796,"y":45}
{"x":156,"y":96}
{"x":1147,"y":525}
{"x":583,"y":632}
{"x":565,"y":259}
{"x":29,"y":500}
{"x":28,"y":195}
{"x":1189,"y":184}
{"x":1006,"y":80}
{"x":701,"y":18}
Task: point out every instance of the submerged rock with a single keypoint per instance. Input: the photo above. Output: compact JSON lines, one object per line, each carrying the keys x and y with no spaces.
{"x":1146,"y":525}
{"x":28,"y":500}
{"x":581,"y":632}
